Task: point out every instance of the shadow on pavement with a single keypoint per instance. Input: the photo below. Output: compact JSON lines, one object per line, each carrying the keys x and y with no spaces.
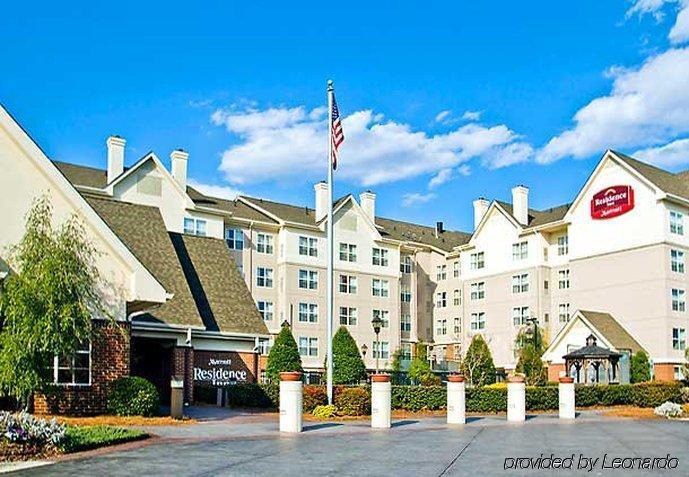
{"x":324,"y":425}
{"x":403,"y":423}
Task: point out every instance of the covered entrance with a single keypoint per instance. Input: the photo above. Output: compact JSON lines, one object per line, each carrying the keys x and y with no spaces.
{"x":152,"y":359}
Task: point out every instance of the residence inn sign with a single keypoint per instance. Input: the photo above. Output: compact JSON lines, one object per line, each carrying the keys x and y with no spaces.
{"x":611,"y":202}
{"x":219,"y":369}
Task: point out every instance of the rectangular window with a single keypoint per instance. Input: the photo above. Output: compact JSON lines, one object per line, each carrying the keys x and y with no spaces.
{"x":380,"y":257}
{"x":519,"y":315}
{"x":676,"y":222}
{"x":347,"y":252}
{"x":520,"y":251}
{"x":308,"y":279}
{"x":563,"y":245}
{"x":234,"y":239}
{"x":456,"y":268}
{"x":563,"y":279}
{"x":563,"y":312}
{"x":520,"y":283}
{"x":677,"y":261}
{"x":405,"y":294}
{"x":441,"y":299}
{"x":477,"y":261}
{"x":264,"y":243}
{"x":308,"y":313}
{"x":264,"y":277}
{"x":348,"y":284}
{"x":348,"y":316}
{"x":264,"y":346}
{"x":194,"y":226}
{"x":406,"y":264}
{"x":405,"y":321}
{"x":308,"y":346}
{"x":380,"y":287}
{"x":679,"y":340}
{"x":308,"y":246}
{"x":478,"y":321}
{"x":440,"y":272}
{"x":74,"y":370}
{"x":678,"y":374}
{"x":381,"y":349}
{"x":405,"y":351}
{"x":478,"y":290}
{"x":458,"y":326}
{"x":457,"y":297}
{"x":441,"y":327}
{"x":384,"y":316}
{"x":678,"y":300}
{"x":265,"y":308}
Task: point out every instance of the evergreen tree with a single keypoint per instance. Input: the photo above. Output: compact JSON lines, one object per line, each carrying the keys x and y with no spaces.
{"x":420,"y":369}
{"x":284,"y":355}
{"x":477,"y":364}
{"x":639,"y":367}
{"x":685,"y":365}
{"x":530,"y":348}
{"x":348,"y":367}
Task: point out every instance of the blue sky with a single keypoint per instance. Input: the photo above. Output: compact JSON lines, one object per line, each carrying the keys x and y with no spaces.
{"x":443,"y":101}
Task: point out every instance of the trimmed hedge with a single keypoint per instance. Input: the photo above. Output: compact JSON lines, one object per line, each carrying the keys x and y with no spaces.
{"x":133,"y":396}
{"x":486,"y":399}
{"x":314,"y":396}
{"x":353,"y":401}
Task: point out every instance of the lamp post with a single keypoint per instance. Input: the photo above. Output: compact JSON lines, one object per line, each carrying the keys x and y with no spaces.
{"x":377,"y":323}
{"x":364,"y":349}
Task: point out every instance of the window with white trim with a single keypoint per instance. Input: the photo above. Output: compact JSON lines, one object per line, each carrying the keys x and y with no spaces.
{"x":265,"y":308}
{"x":380,"y":287}
{"x":563,"y":245}
{"x":308,"y":346}
{"x":347,"y":252}
{"x":384,"y":316}
{"x":457,"y":297}
{"x":264,"y":277}
{"x":478,"y":321}
{"x":679,"y":340}
{"x":234,"y":239}
{"x":478,"y":290}
{"x":379,"y":257}
{"x":405,"y":294}
{"x":348,"y":284}
{"x":520,"y":283}
{"x":519,"y":315}
{"x":405,"y":321}
{"x":520,"y":250}
{"x":676,"y":222}
{"x":677,"y":261}
{"x":441,"y":327}
{"x":457,"y":325}
{"x":308,"y":246}
{"x":405,"y":350}
{"x":74,"y":370}
{"x":308,"y":279}
{"x":678,"y":300}
{"x":678,"y":373}
{"x":456,"y":268}
{"x":264,"y":346}
{"x":563,"y":279}
{"x":440,"y":272}
{"x":563,"y":312}
{"x":194,"y":226}
{"x":406,"y":264}
{"x":381,"y":349}
{"x":264,"y":243}
{"x":308,"y":313}
{"x":441,"y":299}
{"x":348,"y":316}
{"x":477,"y":260}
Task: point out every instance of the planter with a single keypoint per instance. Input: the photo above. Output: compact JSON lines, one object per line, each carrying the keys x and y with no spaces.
{"x":380,"y":378}
{"x":290,"y":376}
{"x":566,"y":379}
{"x":455,"y":378}
{"x":515,"y":379}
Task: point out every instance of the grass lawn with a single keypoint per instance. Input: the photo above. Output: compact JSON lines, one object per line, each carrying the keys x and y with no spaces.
{"x":81,"y":438}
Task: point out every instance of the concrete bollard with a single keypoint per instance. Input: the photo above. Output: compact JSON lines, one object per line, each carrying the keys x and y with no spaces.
{"x":456,"y":399}
{"x":567,"y":399}
{"x":516,"y":399}
{"x":177,"y":398}
{"x":381,"y":394}
{"x":291,"y":402}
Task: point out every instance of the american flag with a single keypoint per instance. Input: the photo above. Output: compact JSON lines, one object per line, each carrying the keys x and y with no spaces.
{"x":336,"y":134}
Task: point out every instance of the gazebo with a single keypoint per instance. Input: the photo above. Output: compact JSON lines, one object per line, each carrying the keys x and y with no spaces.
{"x":599,"y":365}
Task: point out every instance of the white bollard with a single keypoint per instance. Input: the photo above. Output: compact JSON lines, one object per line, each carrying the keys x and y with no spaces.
{"x":456,"y":399}
{"x":381,"y":394}
{"x":291,"y":402}
{"x":516,"y":399}
{"x":567,"y":399}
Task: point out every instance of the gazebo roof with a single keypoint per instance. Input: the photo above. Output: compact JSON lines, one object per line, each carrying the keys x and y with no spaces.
{"x":592,"y":350}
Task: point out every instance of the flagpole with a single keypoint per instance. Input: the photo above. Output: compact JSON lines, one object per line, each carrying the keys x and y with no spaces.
{"x":329,"y":319}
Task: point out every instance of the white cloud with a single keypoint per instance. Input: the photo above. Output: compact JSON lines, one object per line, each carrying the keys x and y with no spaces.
{"x":464,"y":170}
{"x":680,"y":31}
{"x":472,"y":115}
{"x":416,"y":198}
{"x":643,"y":7}
{"x":648,"y":105}
{"x":440,"y":178}
{"x":442,"y":116}
{"x":675,"y":153}
{"x":222,"y":192}
{"x":278,"y":143}
{"x":508,"y":155}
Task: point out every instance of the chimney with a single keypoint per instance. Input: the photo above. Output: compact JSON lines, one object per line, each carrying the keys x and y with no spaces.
{"x":520,"y":204}
{"x":439,"y":229}
{"x":115,"y":157}
{"x":179,"y":159}
{"x":480,"y":209}
{"x":367,"y":200}
{"x":321,"y":200}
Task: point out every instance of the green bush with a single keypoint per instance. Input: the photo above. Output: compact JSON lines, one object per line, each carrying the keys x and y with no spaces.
{"x":324,"y":412}
{"x":314,"y":396}
{"x":639,"y":368}
{"x":265,"y":396}
{"x":348,"y":367}
{"x":354,"y":401}
{"x":133,"y":396}
{"x":284,"y":356}
{"x":477,"y":365}
{"x":416,"y":398}
{"x":80,"y":438}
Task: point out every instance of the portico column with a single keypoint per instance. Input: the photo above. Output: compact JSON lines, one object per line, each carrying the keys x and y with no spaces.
{"x":381,"y":394}
{"x":516,"y":399}
{"x":291,"y":402}
{"x":456,"y":399}
{"x":567,"y":399}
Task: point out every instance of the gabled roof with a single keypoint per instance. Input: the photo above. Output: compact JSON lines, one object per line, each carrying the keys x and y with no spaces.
{"x":235,"y":207}
{"x":82,"y":175}
{"x":669,"y":182}
{"x":614,"y":333}
{"x":539,"y":217}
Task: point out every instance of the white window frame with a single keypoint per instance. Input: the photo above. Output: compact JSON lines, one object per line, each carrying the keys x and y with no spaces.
{"x":265,"y":243}
{"x":563,"y":313}
{"x":349,"y":316}
{"x":520,"y":250}
{"x":678,"y":299}
{"x":384,"y":349}
{"x":441,"y":272}
{"x":380,"y":287}
{"x":348,"y":284}
{"x":478,"y":291}
{"x":379,"y":257}
{"x":308,"y":246}
{"x":677,"y":261}
{"x":405,"y":294}
{"x":72,"y":368}
{"x":519,"y":315}
{"x":563,"y":245}
{"x":457,"y":297}
{"x":266,"y":309}
{"x":384,"y":316}
{"x":478,"y":321}
{"x":441,"y":299}
{"x":264,"y":277}
{"x":456,"y":268}
{"x":308,"y":346}
{"x":308,"y":312}
{"x":308,"y":279}
{"x":441,"y":327}
{"x":520,"y":283}
{"x":676,"y":222}
{"x":406,"y":264}
{"x":477,"y":260}
{"x":563,"y":279}
{"x":347,"y":252}
{"x":679,"y":339}
{"x":234,"y":238}
{"x":405,"y":323}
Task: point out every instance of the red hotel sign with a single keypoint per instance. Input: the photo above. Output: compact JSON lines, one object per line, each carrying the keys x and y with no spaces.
{"x":611,"y":202}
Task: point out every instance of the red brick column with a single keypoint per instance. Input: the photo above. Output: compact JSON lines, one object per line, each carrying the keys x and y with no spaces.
{"x":183,"y":366}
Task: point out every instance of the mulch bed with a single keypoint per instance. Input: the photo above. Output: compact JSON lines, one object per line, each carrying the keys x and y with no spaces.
{"x":10,"y":452}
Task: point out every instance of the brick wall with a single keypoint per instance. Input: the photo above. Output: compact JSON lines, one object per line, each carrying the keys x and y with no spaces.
{"x":554,"y":371}
{"x":183,"y":367}
{"x":109,"y":361}
{"x":664,"y":372}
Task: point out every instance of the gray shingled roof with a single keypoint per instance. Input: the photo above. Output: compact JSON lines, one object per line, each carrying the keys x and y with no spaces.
{"x":539,"y":217}
{"x":676,"y":184}
{"x":82,"y":175}
{"x":234,"y":207}
{"x":612,"y":330}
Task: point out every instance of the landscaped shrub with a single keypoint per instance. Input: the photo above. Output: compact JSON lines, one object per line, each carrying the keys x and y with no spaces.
{"x":254,"y":395}
{"x":477,"y":364}
{"x":654,"y":394}
{"x":133,"y":396}
{"x":324,"y":412}
{"x":639,"y":367}
{"x":685,"y":395}
{"x":355,"y":401}
{"x":416,"y":398}
{"x":26,"y":428}
{"x":541,"y":398}
{"x":283,"y":356}
{"x":348,"y":367}
{"x":668,"y":409}
{"x":313,"y":397}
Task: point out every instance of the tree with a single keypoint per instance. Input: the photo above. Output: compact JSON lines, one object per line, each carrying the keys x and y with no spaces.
{"x":46,"y":307}
{"x":284,"y":355}
{"x":685,"y":365}
{"x":348,"y":367}
{"x":477,"y":364}
{"x":639,"y":367}
{"x":420,"y":369}
{"x":530,"y":348}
